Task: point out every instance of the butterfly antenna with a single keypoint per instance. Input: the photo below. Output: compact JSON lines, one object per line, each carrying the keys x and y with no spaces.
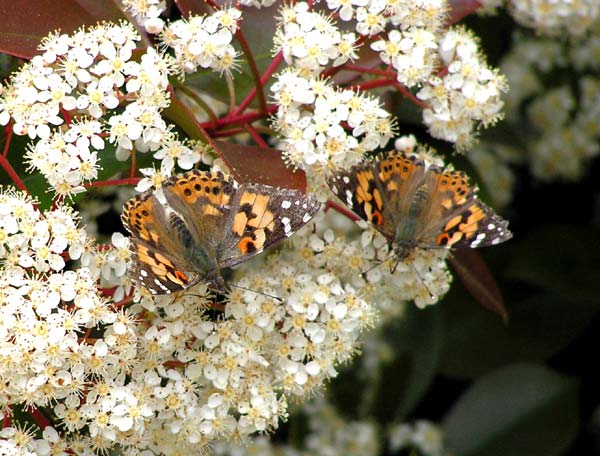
{"x":379,"y":263}
{"x":431,"y":295}
{"x":256,"y":291}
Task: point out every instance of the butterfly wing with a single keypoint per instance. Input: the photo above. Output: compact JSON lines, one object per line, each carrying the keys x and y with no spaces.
{"x":203,"y":200}
{"x":156,"y":243}
{"x":380,"y":192}
{"x":260,"y":217}
{"x":456,"y":217}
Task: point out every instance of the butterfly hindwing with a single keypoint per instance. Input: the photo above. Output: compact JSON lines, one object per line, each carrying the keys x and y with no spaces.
{"x":156,"y":245}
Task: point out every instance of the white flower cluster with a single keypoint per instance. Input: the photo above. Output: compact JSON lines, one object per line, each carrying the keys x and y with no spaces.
{"x":330,"y":434}
{"x":373,"y":15}
{"x":257,"y":3}
{"x":411,"y":48}
{"x":28,"y":240}
{"x":310,"y":41}
{"x":412,"y":53}
{"x":68,"y":159}
{"x":46,"y":310}
{"x":89,"y":75}
{"x":366,"y":263}
{"x":466,"y":96}
{"x":568,"y":142}
{"x":204,"y":41}
{"x":313,"y":117}
{"x":327,"y":434}
{"x":564,"y":131}
{"x":225,"y":378}
{"x":79,"y":71}
{"x":147,"y":13}
{"x":422,"y":435}
{"x":492,"y":160}
{"x":556,"y":17}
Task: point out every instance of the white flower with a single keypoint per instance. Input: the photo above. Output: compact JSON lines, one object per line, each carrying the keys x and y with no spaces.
{"x":204,"y":41}
{"x":310,"y":41}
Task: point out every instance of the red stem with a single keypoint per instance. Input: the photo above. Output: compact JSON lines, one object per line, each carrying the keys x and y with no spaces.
{"x":342,"y":210}
{"x":39,"y":418}
{"x":252,"y":131}
{"x":360,"y":69}
{"x":12,"y":174}
{"x":267,"y":74}
{"x":9,"y":133}
{"x":238,"y":119}
{"x":259,"y":85}
{"x":404,"y":91}
{"x":373,"y":84}
{"x":106,"y":183}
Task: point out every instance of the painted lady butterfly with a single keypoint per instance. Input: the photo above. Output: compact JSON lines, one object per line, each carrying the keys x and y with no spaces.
{"x":418,"y":206}
{"x":208,"y":222}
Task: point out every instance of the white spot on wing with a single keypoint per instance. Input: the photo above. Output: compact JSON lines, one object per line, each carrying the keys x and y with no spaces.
{"x":286,"y":204}
{"x":346,"y":179}
{"x":287,"y":228}
{"x":306,"y":217}
{"x":157,"y":282}
{"x":349,"y":197}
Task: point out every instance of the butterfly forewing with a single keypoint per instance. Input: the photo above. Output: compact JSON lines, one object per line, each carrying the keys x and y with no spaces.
{"x":260,"y":217}
{"x":360,"y":190}
{"x":203,"y":200}
{"x":458,"y":218}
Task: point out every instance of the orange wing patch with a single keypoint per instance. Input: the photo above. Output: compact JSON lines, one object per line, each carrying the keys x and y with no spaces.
{"x":364,"y":178}
{"x":136,"y":212}
{"x":465,"y":225}
{"x":160,"y":265}
{"x":197,"y":184}
{"x":470,"y":227}
{"x":252,"y":221}
{"x":401,"y":166}
{"x":455,"y":182}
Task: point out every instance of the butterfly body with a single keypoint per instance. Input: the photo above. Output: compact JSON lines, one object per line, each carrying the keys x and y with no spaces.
{"x":418,"y":206}
{"x":206,"y":222}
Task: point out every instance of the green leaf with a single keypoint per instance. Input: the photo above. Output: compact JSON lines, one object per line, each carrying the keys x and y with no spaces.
{"x":417,"y":341}
{"x":392,"y":388}
{"x":570,"y":269}
{"x":477,"y":341}
{"x":520,"y":409}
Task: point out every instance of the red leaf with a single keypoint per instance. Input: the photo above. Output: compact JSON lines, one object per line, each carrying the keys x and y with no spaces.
{"x":460,"y":9}
{"x":25,"y":23}
{"x":247,"y":163}
{"x":192,"y":7}
{"x":260,"y":164}
{"x":478,"y":280}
